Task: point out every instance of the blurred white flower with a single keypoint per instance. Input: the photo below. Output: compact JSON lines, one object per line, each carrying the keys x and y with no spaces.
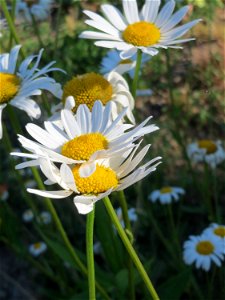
{"x":28,"y":216}
{"x":144,"y":92}
{"x":30,"y":184}
{"x":166,"y":194}
{"x":132,"y":215}
{"x":4,"y":194}
{"x":206,"y":151}
{"x":203,"y":250}
{"x":3,"y":26}
{"x":37,"y":249}
{"x":218,"y":231}
{"x":40,"y":9}
{"x":147,"y":30}
{"x":97,"y":248}
{"x":18,"y":86}
{"x":113,"y":62}
{"x":45,"y":218}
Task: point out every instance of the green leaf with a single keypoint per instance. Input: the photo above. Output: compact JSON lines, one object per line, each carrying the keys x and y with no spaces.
{"x":173,"y":288}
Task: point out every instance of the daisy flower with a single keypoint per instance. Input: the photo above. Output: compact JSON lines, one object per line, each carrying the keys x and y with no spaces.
{"x":207,"y":151}
{"x":37,"y":249}
{"x":45,"y":218}
{"x":28,"y":216}
{"x":202,"y":250}
{"x":17,"y":87}
{"x":89,"y":87}
{"x":87,"y":136}
{"x":166,"y":194}
{"x":132,"y":215}
{"x":218,"y":231}
{"x":4,"y":194}
{"x":40,"y":9}
{"x":146,"y":30}
{"x":111,"y":174}
{"x":113,"y":62}
{"x":3,"y":26}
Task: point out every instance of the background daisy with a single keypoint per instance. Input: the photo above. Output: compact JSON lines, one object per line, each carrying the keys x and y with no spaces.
{"x":166,"y":194}
{"x":19,"y":85}
{"x":39,"y":9}
{"x":37,"y":249}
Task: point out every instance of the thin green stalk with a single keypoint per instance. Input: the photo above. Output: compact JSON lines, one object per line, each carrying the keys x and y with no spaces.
{"x":136,"y":74}
{"x":130,"y":248}
{"x":63,"y":234}
{"x":13,"y":9}
{"x":206,"y":192}
{"x":215,"y":190}
{"x":173,"y":229}
{"x":11,"y":24}
{"x":36,"y":29}
{"x":57,"y":28}
{"x":123,"y":205}
{"x":14,"y":120}
{"x":90,"y":254}
{"x":169,"y":78}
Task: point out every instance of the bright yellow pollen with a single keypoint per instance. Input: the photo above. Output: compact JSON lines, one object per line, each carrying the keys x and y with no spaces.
{"x":166,"y":190}
{"x":88,"y":88}
{"x":220,"y":231}
{"x":205,"y":248}
{"x":9,"y":86}
{"x":37,"y":245}
{"x":125,"y":61}
{"x":141,"y":34}
{"x":83,"y":146}
{"x":100,"y":181}
{"x":208,"y":145}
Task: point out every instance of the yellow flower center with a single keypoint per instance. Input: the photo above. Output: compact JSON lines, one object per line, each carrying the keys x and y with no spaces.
{"x":125,"y":62}
{"x":220,"y":231}
{"x":141,"y":34}
{"x":37,"y":246}
{"x":100,"y":181}
{"x":166,"y":190}
{"x":208,"y":145}
{"x":83,"y":146}
{"x":205,"y":248}
{"x":9,"y":86}
{"x":88,"y":88}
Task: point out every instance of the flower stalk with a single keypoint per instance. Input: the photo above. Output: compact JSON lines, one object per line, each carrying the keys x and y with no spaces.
{"x":130,"y":248}
{"x":90,"y":254}
{"x":136,"y":74}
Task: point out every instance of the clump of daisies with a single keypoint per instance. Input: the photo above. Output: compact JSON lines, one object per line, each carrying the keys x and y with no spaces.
{"x":208,"y":151}
{"x":166,"y":194}
{"x":207,"y":248}
{"x":18,"y":85}
{"x":146,"y":30}
{"x":97,"y":155}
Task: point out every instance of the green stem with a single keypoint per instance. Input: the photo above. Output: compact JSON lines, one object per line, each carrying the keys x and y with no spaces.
{"x":170,"y":80}
{"x":123,"y":205}
{"x":13,"y":17}
{"x":14,"y":120}
{"x":90,"y":254}
{"x":11,"y":24}
{"x":130,"y":248}
{"x":36,"y":29}
{"x":63,"y":234}
{"x":136,"y":74}
{"x":173,"y":229}
{"x":57,"y":28}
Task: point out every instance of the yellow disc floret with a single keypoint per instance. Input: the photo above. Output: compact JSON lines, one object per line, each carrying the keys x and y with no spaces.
{"x":88,"y":88}
{"x":83,"y":146}
{"x":100,"y":181}
{"x":220,"y":231}
{"x":210,"y":146}
{"x":37,"y":246}
{"x":166,"y":190}
{"x":205,"y":248}
{"x":141,"y":34}
{"x":9,"y":86}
